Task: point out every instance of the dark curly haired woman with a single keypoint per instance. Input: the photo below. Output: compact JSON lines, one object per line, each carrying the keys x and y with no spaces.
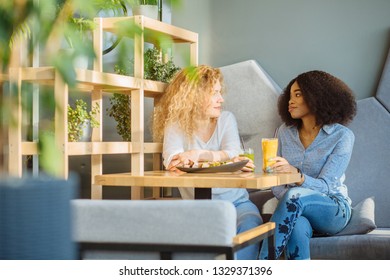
{"x":313,"y":141}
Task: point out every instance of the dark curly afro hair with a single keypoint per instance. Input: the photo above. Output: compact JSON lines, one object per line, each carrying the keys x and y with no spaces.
{"x":328,"y":98}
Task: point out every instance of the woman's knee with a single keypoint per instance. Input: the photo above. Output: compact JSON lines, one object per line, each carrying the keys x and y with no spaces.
{"x":248,"y":216}
{"x":296,"y":197}
{"x":294,"y":192}
{"x":248,"y":221}
{"x":251,"y":218}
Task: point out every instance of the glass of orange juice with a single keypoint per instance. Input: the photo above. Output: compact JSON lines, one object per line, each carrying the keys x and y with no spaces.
{"x":270,"y":150}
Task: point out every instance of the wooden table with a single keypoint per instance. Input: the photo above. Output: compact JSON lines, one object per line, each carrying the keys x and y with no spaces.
{"x":202,"y":182}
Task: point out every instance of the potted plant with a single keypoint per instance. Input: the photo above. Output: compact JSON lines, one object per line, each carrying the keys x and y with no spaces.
{"x":79,"y":40}
{"x":80,"y":25}
{"x":120,"y":110}
{"x":80,"y":119}
{"x":154,"y":69}
{"x":148,"y":8}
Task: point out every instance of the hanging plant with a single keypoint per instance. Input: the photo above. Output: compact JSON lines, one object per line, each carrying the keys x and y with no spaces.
{"x":121,"y":112}
{"x":145,"y":2}
{"x":79,"y":118}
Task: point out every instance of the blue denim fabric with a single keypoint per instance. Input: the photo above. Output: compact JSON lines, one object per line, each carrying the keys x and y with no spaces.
{"x":299,"y":212}
{"x":248,"y":217}
{"x":321,"y":203}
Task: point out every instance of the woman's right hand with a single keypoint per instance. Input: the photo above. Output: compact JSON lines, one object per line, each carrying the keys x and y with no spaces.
{"x":185,"y":159}
{"x":282,"y":165}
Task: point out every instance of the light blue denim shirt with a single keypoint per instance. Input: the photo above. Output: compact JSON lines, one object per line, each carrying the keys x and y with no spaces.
{"x":324,"y":162}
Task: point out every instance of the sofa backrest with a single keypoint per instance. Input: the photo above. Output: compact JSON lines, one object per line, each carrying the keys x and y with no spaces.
{"x":252,"y":95}
{"x":368,"y":171}
{"x":35,"y":219}
{"x":383,"y":91}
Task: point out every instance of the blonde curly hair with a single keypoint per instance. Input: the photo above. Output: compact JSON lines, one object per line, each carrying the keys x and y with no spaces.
{"x":185,"y":99}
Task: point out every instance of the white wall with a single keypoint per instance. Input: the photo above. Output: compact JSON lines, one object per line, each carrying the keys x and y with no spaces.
{"x":195,"y":16}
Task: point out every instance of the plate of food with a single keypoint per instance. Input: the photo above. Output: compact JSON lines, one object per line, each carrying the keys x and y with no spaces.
{"x":214,"y":167}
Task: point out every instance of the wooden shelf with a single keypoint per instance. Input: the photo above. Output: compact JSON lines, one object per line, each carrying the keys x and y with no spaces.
{"x":96,"y":148}
{"x":3,"y":78}
{"x":96,"y":83}
{"x":153,"y":29}
{"x":89,"y":80}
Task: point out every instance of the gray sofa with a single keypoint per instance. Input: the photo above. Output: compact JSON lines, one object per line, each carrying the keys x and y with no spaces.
{"x":367,"y":236}
{"x":366,"y":176}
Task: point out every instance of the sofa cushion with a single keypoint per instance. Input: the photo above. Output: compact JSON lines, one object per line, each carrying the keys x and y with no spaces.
{"x":362,"y":219}
{"x":372,"y":246}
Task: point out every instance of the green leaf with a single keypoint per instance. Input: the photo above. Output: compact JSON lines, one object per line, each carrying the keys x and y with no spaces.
{"x":50,"y":155}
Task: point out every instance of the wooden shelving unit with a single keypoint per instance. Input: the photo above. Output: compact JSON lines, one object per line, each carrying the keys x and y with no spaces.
{"x":97,"y":83}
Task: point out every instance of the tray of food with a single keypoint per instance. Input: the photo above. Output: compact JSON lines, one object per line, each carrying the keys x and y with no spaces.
{"x":215,"y":166}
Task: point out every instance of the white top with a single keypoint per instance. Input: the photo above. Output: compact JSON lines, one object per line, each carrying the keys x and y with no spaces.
{"x":225,"y":138}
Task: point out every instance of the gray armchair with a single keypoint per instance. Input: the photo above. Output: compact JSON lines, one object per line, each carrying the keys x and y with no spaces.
{"x":162,"y":229}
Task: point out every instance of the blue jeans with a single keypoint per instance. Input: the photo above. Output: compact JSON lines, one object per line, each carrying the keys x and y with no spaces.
{"x":248,"y":217}
{"x":299,"y":212}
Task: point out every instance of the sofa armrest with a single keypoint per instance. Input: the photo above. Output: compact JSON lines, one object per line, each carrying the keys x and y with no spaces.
{"x":240,"y":241}
{"x":255,"y":235}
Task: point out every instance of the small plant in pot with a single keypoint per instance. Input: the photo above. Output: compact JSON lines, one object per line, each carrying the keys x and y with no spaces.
{"x":148,"y":8}
{"x":79,"y":118}
{"x":76,"y":48}
{"x":154,"y":69}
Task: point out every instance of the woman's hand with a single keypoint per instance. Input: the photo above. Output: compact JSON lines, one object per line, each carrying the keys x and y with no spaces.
{"x":185,"y":159}
{"x":189,"y":158}
{"x":249,"y":167}
{"x":282,"y":165}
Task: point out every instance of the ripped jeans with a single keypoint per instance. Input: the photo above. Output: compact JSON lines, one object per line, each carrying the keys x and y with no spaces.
{"x":299,"y":212}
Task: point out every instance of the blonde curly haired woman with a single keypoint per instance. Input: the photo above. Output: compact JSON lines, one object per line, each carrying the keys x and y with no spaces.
{"x":190,"y":121}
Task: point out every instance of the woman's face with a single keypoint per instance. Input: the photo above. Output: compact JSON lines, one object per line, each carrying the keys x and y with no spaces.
{"x":214,"y":107}
{"x":297,"y":106}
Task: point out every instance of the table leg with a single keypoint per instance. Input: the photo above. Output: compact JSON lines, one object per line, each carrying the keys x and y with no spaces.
{"x":271,"y":247}
{"x":202,"y":193}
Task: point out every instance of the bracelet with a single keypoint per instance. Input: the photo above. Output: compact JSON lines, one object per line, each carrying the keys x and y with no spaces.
{"x":300,"y":172}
